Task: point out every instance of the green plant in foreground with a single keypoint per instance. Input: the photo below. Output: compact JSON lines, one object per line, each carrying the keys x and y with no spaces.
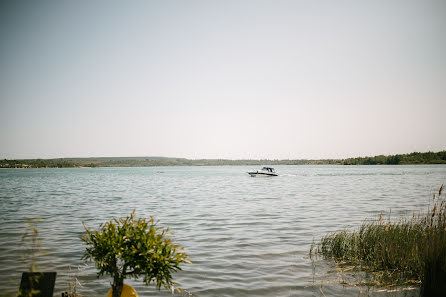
{"x":31,"y":250}
{"x":129,"y":247}
{"x":405,"y":252}
{"x":31,"y":245}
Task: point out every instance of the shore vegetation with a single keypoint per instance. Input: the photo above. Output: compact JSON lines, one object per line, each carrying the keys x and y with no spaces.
{"x":394,"y":253}
{"x":399,"y":159}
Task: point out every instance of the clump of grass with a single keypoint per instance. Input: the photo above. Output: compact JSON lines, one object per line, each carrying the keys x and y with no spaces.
{"x":408,"y":251}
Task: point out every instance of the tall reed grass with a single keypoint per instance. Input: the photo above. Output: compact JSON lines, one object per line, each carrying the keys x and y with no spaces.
{"x":408,"y":251}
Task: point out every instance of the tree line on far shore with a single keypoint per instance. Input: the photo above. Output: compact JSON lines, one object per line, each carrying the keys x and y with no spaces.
{"x":399,"y":159}
{"x":412,"y":158}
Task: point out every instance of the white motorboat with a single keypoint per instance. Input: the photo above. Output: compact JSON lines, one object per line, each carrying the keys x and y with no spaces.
{"x":266,"y":171}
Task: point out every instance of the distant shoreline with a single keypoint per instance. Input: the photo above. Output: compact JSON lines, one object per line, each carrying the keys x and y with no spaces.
{"x":416,"y":158}
{"x":154,"y":166}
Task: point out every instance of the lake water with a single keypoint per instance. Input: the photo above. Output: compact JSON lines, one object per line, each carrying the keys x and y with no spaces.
{"x":246,"y":236}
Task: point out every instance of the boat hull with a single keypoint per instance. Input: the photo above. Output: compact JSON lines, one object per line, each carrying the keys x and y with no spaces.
{"x":261,"y":174}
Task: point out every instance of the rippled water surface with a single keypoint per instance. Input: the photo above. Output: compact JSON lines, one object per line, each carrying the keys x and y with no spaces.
{"x":246,"y":236}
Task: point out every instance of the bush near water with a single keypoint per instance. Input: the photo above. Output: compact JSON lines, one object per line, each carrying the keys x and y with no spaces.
{"x":131,"y":248}
{"x":409,"y":251}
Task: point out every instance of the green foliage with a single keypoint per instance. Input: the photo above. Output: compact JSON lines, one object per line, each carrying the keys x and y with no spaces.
{"x":408,"y":251}
{"x":31,"y":245}
{"x":31,"y":250}
{"x":130,"y":247}
{"x":413,"y":158}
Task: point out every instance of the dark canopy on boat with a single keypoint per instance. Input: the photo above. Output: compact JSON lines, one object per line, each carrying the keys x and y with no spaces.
{"x":270,"y":169}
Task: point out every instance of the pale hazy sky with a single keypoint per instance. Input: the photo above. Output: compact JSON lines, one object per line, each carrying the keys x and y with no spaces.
{"x":222,"y":79}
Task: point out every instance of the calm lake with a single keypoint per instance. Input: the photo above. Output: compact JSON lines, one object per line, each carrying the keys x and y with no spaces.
{"x":246,"y":236}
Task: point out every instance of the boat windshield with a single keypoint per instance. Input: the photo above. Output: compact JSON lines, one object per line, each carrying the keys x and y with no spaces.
{"x":269,"y":169}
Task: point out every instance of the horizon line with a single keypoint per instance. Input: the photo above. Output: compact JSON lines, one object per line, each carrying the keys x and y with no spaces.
{"x":235,"y":159}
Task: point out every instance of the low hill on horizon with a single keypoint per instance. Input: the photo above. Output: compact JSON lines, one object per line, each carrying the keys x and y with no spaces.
{"x":399,"y":159}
